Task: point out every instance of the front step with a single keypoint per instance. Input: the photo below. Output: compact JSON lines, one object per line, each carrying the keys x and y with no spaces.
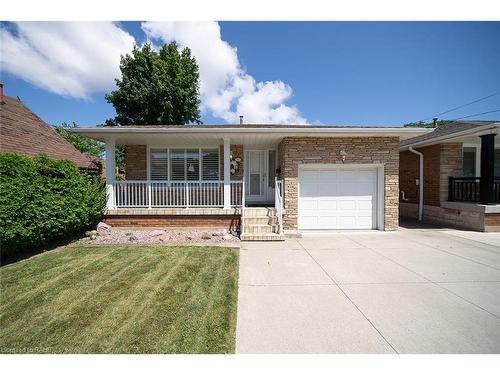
{"x":262,"y":237}
{"x":260,"y":224}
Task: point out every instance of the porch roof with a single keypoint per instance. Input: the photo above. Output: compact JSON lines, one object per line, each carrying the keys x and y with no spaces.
{"x":456,"y":131}
{"x":247,"y":134}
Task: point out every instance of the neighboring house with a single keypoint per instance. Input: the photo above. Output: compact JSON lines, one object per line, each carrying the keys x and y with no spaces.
{"x":23,"y":132}
{"x":461,"y":175}
{"x":263,"y":180}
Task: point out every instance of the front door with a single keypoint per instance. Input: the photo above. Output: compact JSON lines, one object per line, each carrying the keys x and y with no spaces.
{"x":255,"y":176}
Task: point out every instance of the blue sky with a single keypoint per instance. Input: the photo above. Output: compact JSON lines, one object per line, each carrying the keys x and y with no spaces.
{"x":366,"y":73}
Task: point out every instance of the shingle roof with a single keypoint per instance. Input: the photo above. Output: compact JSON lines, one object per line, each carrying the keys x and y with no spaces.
{"x":23,"y":132}
{"x":445,"y":130}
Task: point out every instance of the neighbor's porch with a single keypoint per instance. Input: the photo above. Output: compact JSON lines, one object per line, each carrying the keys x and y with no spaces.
{"x":480,"y":180}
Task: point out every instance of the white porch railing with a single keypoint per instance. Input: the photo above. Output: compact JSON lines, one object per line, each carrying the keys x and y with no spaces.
{"x":278,"y":204}
{"x":175,"y":193}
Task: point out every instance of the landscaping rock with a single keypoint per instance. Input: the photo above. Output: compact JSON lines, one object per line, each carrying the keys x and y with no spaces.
{"x":103,"y":226}
{"x":142,"y":236}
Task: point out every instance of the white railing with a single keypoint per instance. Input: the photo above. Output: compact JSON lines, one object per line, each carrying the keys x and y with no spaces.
{"x":278,"y":203}
{"x":242,"y":220}
{"x":175,"y":193}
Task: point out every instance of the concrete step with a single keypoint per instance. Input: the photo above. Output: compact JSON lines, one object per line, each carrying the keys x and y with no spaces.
{"x":262,"y":220}
{"x":262,"y":237}
{"x":259,"y":229}
{"x":259,"y":211}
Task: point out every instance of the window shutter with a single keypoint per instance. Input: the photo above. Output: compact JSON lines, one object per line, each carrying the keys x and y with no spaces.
{"x":210,"y":164}
{"x":159,"y":164}
{"x":177,"y":165}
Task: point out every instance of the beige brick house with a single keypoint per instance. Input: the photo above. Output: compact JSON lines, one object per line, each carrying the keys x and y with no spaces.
{"x":461,"y":176}
{"x":262,"y":180}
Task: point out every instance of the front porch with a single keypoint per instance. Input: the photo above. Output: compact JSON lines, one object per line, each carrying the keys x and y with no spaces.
{"x":174,"y":184}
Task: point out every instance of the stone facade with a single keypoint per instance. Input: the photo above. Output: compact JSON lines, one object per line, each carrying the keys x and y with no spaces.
{"x":451,"y":165}
{"x":136,"y":162}
{"x":294,"y":151}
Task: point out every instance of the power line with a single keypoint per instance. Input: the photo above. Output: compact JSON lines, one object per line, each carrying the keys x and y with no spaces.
{"x":476,"y":114}
{"x":462,"y":106}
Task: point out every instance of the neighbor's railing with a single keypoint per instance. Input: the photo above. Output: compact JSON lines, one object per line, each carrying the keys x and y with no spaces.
{"x":467,"y":189}
{"x":278,"y":203}
{"x":175,"y":193}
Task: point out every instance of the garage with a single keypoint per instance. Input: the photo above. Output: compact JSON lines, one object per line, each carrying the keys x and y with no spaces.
{"x":338,"y":198}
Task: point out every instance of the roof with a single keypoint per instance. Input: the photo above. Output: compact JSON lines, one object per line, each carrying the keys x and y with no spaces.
{"x":449,"y":131}
{"x":23,"y":132}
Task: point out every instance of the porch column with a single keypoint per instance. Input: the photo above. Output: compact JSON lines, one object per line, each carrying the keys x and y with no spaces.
{"x":227,"y":174}
{"x":110,"y":172}
{"x":486,"y":192}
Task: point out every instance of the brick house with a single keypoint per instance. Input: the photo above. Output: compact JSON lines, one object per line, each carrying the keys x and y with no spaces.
{"x":461,"y":176}
{"x":23,"y":132}
{"x":263,"y":180}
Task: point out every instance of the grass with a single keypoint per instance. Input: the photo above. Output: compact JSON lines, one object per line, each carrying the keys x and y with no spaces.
{"x":121,"y":299}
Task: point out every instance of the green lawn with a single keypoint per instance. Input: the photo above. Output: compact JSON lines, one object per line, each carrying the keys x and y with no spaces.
{"x":121,"y":299}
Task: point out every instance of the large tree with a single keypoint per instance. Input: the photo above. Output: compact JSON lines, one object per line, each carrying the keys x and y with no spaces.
{"x":157,"y":87}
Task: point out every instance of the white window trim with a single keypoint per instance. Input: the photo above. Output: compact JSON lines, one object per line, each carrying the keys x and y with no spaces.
{"x":200,"y":172}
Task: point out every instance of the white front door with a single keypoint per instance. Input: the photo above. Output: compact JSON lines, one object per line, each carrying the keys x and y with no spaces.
{"x":337,"y":198}
{"x":255,"y":176}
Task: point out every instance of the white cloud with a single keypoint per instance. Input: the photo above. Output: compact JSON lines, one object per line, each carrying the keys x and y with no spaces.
{"x":68,"y":58}
{"x":227,"y":90}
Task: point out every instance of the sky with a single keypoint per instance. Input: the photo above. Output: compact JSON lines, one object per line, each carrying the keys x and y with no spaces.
{"x":341,"y":73}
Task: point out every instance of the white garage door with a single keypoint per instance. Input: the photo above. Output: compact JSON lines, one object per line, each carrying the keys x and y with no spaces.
{"x":337,"y":199}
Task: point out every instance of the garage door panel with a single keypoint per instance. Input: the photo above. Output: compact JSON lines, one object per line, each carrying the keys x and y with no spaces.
{"x":341,"y":199}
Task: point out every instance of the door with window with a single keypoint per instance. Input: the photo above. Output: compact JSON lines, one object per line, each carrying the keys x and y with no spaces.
{"x":255,"y":177}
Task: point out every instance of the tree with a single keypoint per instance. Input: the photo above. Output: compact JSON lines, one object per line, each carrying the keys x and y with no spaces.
{"x":88,"y":146}
{"x":83,"y":144}
{"x":157,"y":87}
{"x":422,"y":124}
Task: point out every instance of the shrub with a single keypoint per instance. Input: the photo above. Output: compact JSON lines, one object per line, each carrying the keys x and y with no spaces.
{"x":42,"y":200}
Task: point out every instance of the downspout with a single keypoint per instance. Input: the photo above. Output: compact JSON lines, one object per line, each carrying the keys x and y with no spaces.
{"x":421,"y":184}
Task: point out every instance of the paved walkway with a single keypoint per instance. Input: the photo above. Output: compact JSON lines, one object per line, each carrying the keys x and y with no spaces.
{"x":411,"y":291}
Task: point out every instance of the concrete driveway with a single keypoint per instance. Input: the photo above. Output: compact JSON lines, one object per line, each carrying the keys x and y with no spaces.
{"x":411,"y":291}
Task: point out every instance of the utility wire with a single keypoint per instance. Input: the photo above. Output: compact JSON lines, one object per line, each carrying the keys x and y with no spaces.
{"x":462,"y":106}
{"x":476,"y":114}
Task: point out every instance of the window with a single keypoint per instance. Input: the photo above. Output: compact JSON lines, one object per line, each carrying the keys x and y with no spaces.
{"x":193,"y":165}
{"x":184,"y":164}
{"x":159,"y":164}
{"x":272,"y":168}
{"x":210,"y":164}
{"x":469,"y":162}
{"x":177,"y":165}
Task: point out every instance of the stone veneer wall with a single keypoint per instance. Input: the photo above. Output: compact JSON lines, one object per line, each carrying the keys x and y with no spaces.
{"x":136,"y":162}
{"x":451,"y":165}
{"x":294,"y":151}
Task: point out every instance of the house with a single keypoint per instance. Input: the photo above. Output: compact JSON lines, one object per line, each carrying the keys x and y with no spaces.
{"x":461,"y":176}
{"x":263,"y":180}
{"x":23,"y":132}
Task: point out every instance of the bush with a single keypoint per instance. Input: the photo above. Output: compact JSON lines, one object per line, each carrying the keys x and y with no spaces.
{"x":42,"y":200}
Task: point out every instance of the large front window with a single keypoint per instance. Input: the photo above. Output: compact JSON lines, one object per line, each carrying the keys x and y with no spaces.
{"x":469,"y":162}
{"x":192,"y":164}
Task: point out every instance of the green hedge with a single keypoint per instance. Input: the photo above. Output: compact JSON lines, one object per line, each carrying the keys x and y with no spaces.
{"x":42,"y":200}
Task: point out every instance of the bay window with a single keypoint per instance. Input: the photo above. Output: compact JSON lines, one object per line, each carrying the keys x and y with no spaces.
{"x":175,"y":164}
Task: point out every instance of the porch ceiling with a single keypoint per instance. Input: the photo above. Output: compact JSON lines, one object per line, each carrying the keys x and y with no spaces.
{"x":191,"y":136}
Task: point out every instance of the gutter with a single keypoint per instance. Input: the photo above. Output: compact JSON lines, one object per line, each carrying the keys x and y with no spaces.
{"x":421,"y":184}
